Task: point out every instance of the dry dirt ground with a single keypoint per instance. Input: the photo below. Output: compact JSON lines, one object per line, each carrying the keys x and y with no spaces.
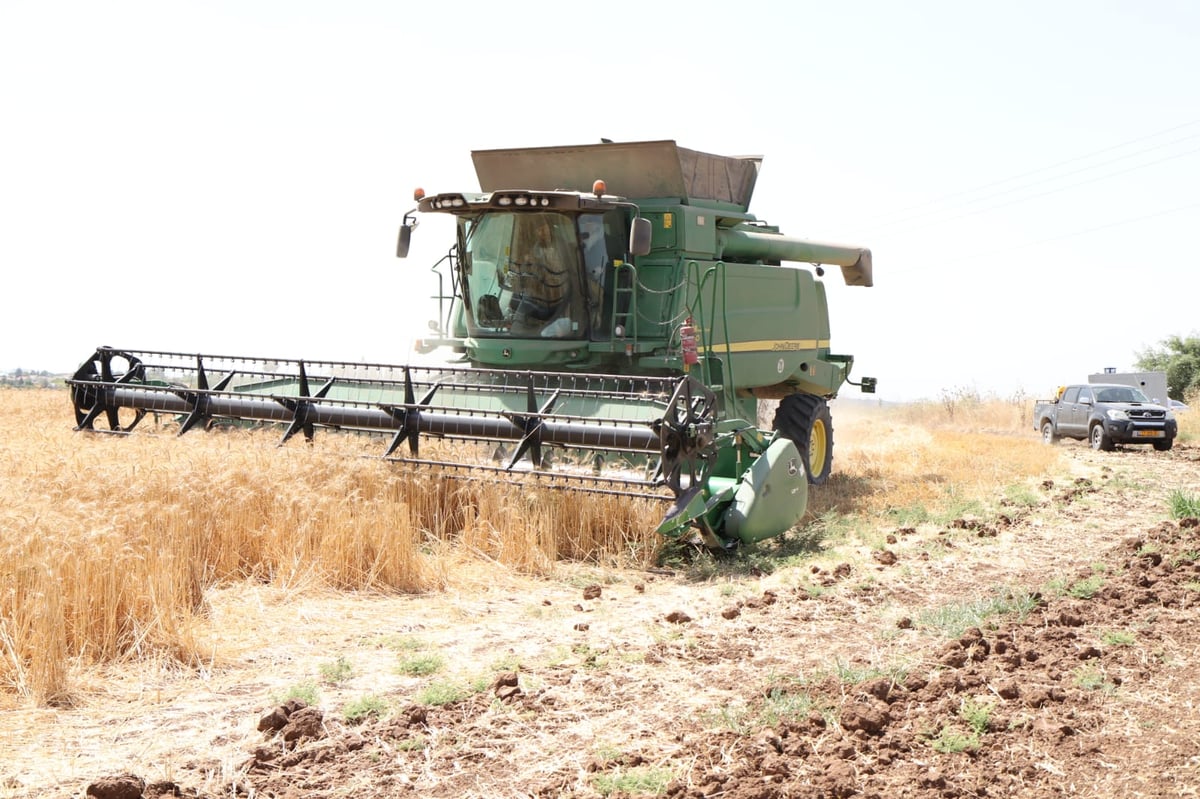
{"x":1046,"y":651}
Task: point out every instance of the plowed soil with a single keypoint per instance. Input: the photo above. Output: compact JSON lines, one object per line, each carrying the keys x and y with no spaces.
{"x":1048,"y":650}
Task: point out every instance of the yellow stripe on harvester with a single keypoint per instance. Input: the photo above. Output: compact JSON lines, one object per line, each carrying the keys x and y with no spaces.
{"x":777,"y":345}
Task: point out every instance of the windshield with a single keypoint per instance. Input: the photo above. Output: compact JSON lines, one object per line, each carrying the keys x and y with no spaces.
{"x":1120,"y":394}
{"x":521,"y":275}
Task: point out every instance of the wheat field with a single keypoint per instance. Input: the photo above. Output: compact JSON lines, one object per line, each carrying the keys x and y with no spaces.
{"x":109,"y":544}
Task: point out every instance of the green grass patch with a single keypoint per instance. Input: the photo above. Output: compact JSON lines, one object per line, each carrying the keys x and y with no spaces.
{"x":1184,"y":505}
{"x":977,"y":715}
{"x":506,"y":663}
{"x":590,"y":657}
{"x":443,"y":693}
{"x":1091,"y":678}
{"x":1117,"y":638}
{"x":364,"y":708}
{"x":640,"y":780}
{"x":420,"y":665}
{"x":1021,"y":496}
{"x":910,"y":516}
{"x":960,"y":508}
{"x":337,"y":671}
{"x":400,"y":643}
{"x":1086,"y":588}
{"x":780,"y":706}
{"x":952,"y":740}
{"x":1186,"y":557}
{"x":305,"y":692}
{"x":954,"y":620}
{"x":852,"y":675}
{"x":777,"y":706}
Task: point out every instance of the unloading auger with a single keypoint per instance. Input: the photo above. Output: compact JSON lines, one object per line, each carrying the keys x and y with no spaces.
{"x":634,"y":334}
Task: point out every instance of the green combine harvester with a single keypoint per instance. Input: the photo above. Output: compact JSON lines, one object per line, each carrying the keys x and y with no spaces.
{"x":617,"y":343}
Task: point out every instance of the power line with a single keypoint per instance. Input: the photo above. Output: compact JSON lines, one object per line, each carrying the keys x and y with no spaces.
{"x":954,"y":195}
{"x":1051,"y":191}
{"x":1077,"y":233}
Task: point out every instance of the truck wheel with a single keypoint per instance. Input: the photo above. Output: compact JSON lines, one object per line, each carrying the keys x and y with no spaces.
{"x":1048,"y":434}
{"x":1100,"y":439}
{"x":805,"y":419}
{"x":1163,"y":446}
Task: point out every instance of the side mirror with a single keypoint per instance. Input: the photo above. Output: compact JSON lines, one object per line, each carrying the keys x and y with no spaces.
{"x":407,"y":226}
{"x":403,"y":242}
{"x":640,"y":233}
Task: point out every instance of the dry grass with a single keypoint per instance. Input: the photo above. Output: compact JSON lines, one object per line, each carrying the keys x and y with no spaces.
{"x":110,"y":545}
{"x":922,"y":455}
{"x":1189,"y":420}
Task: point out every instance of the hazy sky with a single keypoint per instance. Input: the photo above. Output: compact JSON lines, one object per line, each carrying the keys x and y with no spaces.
{"x":229,"y":177}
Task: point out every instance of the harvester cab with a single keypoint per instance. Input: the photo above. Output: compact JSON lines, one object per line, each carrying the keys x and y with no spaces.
{"x":636,"y":331}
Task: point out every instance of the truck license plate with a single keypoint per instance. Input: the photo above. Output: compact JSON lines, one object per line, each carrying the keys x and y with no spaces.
{"x":1148,"y":433}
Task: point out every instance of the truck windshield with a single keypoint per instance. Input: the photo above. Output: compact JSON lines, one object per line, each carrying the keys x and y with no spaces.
{"x":1121,"y":394}
{"x":521,"y":275}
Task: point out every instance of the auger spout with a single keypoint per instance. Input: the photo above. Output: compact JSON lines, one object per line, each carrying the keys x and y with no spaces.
{"x":773,"y":247}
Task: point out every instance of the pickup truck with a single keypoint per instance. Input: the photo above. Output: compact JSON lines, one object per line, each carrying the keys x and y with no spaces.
{"x":1105,"y":415}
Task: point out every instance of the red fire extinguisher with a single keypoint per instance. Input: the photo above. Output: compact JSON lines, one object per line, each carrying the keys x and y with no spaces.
{"x":687,"y":344}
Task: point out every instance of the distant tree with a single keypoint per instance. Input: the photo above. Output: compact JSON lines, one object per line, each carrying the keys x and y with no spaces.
{"x":1179,"y":357}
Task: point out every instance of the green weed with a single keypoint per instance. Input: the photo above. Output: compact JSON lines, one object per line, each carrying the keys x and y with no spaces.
{"x":1091,"y":678}
{"x":977,"y":715}
{"x":954,"y":620}
{"x":951,"y":740}
{"x":420,"y":665}
{"x":1086,"y":588}
{"x":400,"y":643}
{"x":639,"y":780}
{"x":1021,"y":496}
{"x":337,"y":671}
{"x":442,"y":693}
{"x":506,"y":663}
{"x":305,"y":692}
{"x":364,"y":708}
{"x":910,"y":516}
{"x":1184,"y":505}
{"x":414,"y":744}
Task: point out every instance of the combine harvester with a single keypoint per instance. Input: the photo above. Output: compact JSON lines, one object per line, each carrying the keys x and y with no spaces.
{"x":632,"y":333}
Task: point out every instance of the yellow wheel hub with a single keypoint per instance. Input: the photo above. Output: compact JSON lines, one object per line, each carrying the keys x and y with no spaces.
{"x":818,"y":446}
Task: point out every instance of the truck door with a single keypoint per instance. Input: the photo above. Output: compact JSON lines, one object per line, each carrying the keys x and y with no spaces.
{"x":1068,"y":412}
{"x":1082,"y":411}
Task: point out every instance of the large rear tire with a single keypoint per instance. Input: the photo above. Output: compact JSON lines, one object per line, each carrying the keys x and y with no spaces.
{"x":805,"y":419}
